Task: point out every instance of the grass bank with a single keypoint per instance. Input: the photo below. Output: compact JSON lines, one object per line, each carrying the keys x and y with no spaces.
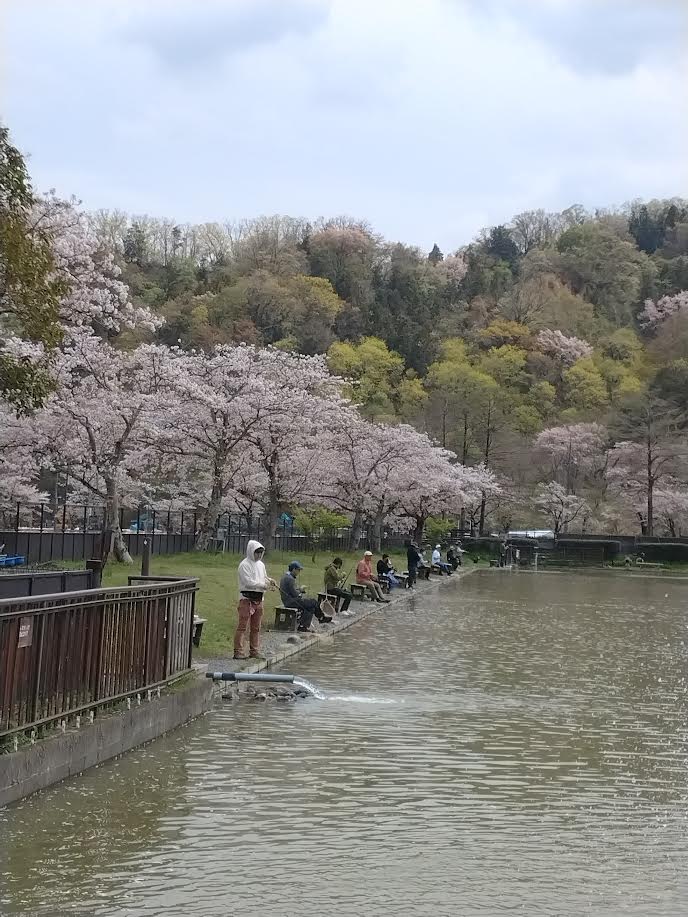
{"x":219,"y":594}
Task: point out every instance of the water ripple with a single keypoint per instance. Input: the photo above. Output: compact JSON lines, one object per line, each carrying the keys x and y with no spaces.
{"x":511,"y":744}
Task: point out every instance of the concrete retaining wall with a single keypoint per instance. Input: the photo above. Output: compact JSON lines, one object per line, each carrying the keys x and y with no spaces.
{"x":51,"y":760}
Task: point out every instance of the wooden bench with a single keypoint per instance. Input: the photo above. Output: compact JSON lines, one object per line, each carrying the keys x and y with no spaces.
{"x":198,"y":629}
{"x":286,"y":618}
{"x":357,"y":591}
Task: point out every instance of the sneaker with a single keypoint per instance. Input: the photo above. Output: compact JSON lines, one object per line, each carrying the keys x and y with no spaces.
{"x":326,"y":619}
{"x":241,"y":657}
{"x":347,"y":614}
{"x":257,"y":656}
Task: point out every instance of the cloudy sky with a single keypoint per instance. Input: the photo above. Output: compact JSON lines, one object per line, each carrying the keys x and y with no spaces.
{"x":428,"y":118}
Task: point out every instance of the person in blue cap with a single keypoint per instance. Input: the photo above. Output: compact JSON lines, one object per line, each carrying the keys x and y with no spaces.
{"x":293,"y":596}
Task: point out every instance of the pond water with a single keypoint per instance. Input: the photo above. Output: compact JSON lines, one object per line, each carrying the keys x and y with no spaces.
{"x":509,"y":743}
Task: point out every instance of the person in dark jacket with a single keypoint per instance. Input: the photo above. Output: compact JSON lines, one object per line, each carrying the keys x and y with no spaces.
{"x":385,"y":571}
{"x":412,"y":562}
{"x":292,"y":596}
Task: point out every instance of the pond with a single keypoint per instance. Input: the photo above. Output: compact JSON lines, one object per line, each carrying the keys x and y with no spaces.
{"x":509,"y":742}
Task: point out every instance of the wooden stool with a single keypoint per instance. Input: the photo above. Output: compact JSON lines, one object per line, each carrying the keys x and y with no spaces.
{"x":357,"y":591}
{"x":286,"y":618}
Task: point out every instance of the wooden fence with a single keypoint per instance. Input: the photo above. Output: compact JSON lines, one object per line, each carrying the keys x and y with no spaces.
{"x":65,"y":654}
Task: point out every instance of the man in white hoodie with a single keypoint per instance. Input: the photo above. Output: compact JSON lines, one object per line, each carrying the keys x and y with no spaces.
{"x":253,"y":583}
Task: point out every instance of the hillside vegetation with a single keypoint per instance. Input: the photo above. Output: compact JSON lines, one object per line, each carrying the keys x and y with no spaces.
{"x":537,"y":376}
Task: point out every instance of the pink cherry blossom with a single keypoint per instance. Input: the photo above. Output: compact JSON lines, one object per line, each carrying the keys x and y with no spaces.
{"x":566,"y":349}
{"x":654,"y":313}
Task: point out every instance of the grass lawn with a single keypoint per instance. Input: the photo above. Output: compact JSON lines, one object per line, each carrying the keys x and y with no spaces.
{"x":219,"y":594}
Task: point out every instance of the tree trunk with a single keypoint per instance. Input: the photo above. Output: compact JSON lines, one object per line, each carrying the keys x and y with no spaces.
{"x":481,"y":523}
{"x":356,"y":532}
{"x":650,"y":521}
{"x":119,"y":545}
{"x":488,"y":443}
{"x":273,"y":514}
{"x":418,"y":531}
{"x":378,"y":527}
{"x":211,"y":514}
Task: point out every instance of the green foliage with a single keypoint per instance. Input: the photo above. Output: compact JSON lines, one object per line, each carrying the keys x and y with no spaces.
{"x":585,"y":387}
{"x":671,"y":384}
{"x":506,"y":365}
{"x":608,"y":271}
{"x":503,"y":331}
{"x":381,"y":385}
{"x":318,"y":521}
{"x":437,"y":529}
{"x":30,"y":294}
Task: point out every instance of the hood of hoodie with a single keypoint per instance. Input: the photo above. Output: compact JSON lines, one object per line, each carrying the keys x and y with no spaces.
{"x":251,"y":549}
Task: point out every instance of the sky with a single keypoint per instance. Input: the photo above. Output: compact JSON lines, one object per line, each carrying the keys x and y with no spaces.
{"x":430,"y":119}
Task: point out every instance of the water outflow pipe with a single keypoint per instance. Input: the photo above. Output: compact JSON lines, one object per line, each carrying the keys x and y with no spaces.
{"x":248,"y":676}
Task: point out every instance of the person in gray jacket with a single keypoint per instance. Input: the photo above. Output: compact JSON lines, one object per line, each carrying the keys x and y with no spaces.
{"x":293,"y":596}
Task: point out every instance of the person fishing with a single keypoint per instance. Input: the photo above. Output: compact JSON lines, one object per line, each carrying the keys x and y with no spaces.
{"x":254,"y":582}
{"x":294,"y":596}
{"x":364,"y":577}
{"x":334,"y":585}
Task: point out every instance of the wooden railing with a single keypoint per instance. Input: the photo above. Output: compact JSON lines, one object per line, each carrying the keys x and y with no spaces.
{"x":65,"y":654}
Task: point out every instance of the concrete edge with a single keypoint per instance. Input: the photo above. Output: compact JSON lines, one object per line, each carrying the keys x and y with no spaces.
{"x":69,"y":753}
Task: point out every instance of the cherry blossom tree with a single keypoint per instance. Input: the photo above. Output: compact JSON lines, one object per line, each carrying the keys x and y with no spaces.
{"x":573,"y":452}
{"x":558,"y":506}
{"x":265,"y":410}
{"x":567,"y":350}
{"x":444,"y":486}
{"x":635,"y":470}
{"x":650,"y":449}
{"x":654,"y":313}
{"x":358,"y":455}
{"x":18,"y":464}
{"x":200,"y":439}
{"x":93,"y":426}
{"x":671,"y":507}
{"x":96,"y":297}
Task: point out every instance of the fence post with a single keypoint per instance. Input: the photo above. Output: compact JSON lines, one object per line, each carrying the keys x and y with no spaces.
{"x":40,"y":534}
{"x":145,"y":558}
{"x":96,"y":568}
{"x":39,"y":620}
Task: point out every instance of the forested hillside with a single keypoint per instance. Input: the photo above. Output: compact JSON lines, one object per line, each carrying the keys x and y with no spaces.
{"x":537,"y":376}
{"x":554,"y":320}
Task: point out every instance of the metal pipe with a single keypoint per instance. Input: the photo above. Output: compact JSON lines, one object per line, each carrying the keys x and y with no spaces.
{"x":248,"y":676}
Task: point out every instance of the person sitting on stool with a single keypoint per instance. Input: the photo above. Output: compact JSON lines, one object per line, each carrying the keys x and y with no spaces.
{"x":364,"y":577}
{"x":334,"y":585}
{"x":438,"y":562}
{"x":423,"y":566}
{"x":385,"y":571}
{"x":293,"y":597}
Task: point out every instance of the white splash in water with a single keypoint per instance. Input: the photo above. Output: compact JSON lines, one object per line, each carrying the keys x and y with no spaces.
{"x":307,"y":686}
